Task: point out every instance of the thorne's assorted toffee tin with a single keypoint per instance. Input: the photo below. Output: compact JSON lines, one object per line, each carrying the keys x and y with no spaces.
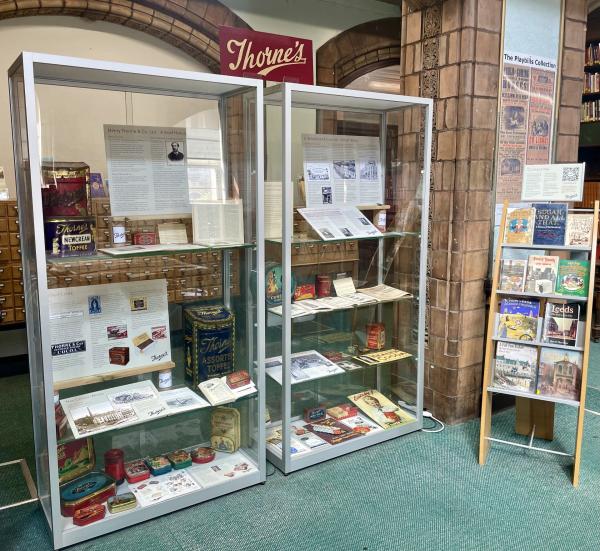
{"x":66,"y":190}
{"x":70,"y":237}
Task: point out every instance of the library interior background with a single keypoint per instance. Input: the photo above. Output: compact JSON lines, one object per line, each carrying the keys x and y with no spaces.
{"x":314,"y":275}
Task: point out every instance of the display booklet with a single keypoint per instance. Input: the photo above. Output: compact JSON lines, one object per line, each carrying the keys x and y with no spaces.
{"x":332,"y":431}
{"x":339,"y":223}
{"x":573,"y":277}
{"x":142,"y":250}
{"x":382,"y":356}
{"x":103,"y":410}
{"x":512,"y":275}
{"x":163,"y":487}
{"x":218,"y":222}
{"x":550,"y":223}
{"x":99,"y":329}
{"x":559,"y":373}
{"x":381,"y":410}
{"x":183,"y":399}
{"x":519,"y":226}
{"x":515,"y":366}
{"x":361,"y":424}
{"x":541,"y":274}
{"x":218,"y":392}
{"x":518,"y":319}
{"x":305,"y":367}
{"x":579,"y":230}
{"x":561,"y":323}
{"x":275,"y":439}
{"x":306,"y":438}
{"x":224,"y":468}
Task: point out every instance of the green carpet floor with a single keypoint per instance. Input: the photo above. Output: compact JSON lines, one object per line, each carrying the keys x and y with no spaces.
{"x":422,"y":491}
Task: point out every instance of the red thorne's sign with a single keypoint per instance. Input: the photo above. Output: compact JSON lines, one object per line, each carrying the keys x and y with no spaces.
{"x":264,"y":55}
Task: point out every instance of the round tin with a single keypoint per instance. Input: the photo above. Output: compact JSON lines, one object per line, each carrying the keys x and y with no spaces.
{"x":165,"y":379}
{"x":202,"y":455}
{"x":323,"y":286}
{"x":114,"y":464}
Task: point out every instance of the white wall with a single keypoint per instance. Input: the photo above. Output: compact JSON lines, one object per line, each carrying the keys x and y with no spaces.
{"x":82,"y":38}
{"x":317,"y":20}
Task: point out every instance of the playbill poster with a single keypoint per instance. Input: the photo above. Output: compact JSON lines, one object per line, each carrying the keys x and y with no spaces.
{"x":147,"y":170}
{"x":342,"y":170}
{"x":526,"y":120}
{"x":100,"y":329}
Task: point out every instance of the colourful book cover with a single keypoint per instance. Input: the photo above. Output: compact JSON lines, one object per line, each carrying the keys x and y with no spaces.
{"x":383,"y":411}
{"x":518,"y":319}
{"x":515,"y":366}
{"x":560,"y":323}
{"x":573,"y":277}
{"x":512,"y":275}
{"x":550,"y":223}
{"x":541,"y":274}
{"x":519,"y":226}
{"x":579,"y":230}
{"x":559,"y":373}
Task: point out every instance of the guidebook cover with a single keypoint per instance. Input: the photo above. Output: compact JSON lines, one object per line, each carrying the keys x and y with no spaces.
{"x":519,"y":226}
{"x":550,"y":223}
{"x":518,"y":319}
{"x":560,"y":323}
{"x":515,"y":366}
{"x":512,"y":275}
{"x":579,"y":230}
{"x":560,"y":373}
{"x":573,"y":277}
{"x":541,"y":274}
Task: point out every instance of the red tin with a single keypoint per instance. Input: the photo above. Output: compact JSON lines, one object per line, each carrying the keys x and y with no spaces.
{"x":136,"y":471}
{"x":323,"y":286}
{"x":144,"y":238}
{"x":238,"y":379}
{"x":203,"y":455}
{"x":114,"y":464}
{"x":87,"y":515}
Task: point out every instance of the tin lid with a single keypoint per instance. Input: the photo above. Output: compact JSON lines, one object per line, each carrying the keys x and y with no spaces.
{"x":114,"y":454}
{"x":70,"y":219}
{"x":209,"y":314}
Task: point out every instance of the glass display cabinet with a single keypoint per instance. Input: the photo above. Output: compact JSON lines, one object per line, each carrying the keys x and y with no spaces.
{"x":140,"y":211}
{"x":345,"y":269}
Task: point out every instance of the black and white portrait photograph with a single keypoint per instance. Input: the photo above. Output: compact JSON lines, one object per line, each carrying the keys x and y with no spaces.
{"x":175,"y":153}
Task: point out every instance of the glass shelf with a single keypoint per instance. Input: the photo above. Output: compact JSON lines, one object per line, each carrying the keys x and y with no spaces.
{"x":146,"y":252}
{"x":531,"y":395}
{"x":551,"y":296}
{"x":317,"y":240}
{"x":539,"y":343}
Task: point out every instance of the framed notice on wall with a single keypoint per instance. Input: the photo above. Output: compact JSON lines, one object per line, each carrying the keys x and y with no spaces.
{"x":558,"y":182}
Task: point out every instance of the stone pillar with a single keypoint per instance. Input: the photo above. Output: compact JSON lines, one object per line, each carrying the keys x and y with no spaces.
{"x":450,"y":51}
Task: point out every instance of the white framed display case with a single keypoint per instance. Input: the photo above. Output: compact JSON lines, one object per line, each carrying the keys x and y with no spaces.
{"x":120,"y":339}
{"x":346,"y":260}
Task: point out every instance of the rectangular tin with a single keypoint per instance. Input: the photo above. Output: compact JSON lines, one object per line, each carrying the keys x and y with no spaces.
{"x":70,"y":237}
{"x":89,"y":514}
{"x":144,"y":238}
{"x":75,"y":459}
{"x":66,"y":190}
{"x":180,"y":459}
{"x":136,"y":471}
{"x":238,"y":379}
{"x":209,"y":336}
{"x":118,"y":355}
{"x":121,"y":502}
{"x":158,"y":465}
{"x":90,"y":489}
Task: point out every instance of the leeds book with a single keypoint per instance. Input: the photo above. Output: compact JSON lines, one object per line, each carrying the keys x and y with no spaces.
{"x":560,"y":323}
{"x":559,"y":373}
{"x":541,"y":274}
{"x":515,"y":366}
{"x":519,"y":226}
{"x":550,"y":223}
{"x":573,"y":277}
{"x":512,"y":275}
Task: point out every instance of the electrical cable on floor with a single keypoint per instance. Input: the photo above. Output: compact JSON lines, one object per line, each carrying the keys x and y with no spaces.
{"x":592,"y":412}
{"x":272,"y":467}
{"x":436,"y":420}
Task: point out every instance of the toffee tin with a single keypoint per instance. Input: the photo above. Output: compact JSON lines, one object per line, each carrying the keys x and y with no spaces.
{"x":136,"y":471}
{"x":70,"y":236}
{"x":158,"y":465}
{"x":90,"y":489}
{"x":180,"y":459}
{"x":121,"y":502}
{"x":89,"y":514}
{"x":203,"y":455}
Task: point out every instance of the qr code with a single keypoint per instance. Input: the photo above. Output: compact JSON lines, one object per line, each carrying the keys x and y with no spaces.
{"x":570,"y":173}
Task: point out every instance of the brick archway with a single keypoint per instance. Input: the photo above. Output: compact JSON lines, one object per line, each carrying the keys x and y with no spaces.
{"x":359,"y":50}
{"x":190,"y":25}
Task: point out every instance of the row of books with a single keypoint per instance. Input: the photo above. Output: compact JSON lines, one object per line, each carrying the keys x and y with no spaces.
{"x":548,"y":224}
{"x":519,"y":320}
{"x":592,"y":53}
{"x":545,"y":275}
{"x":555,"y":372}
{"x":590,"y":111}
{"x":591,"y":83}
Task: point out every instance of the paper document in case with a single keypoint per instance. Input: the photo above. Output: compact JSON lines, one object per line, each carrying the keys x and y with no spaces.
{"x":339,"y":223}
{"x":218,"y":222}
